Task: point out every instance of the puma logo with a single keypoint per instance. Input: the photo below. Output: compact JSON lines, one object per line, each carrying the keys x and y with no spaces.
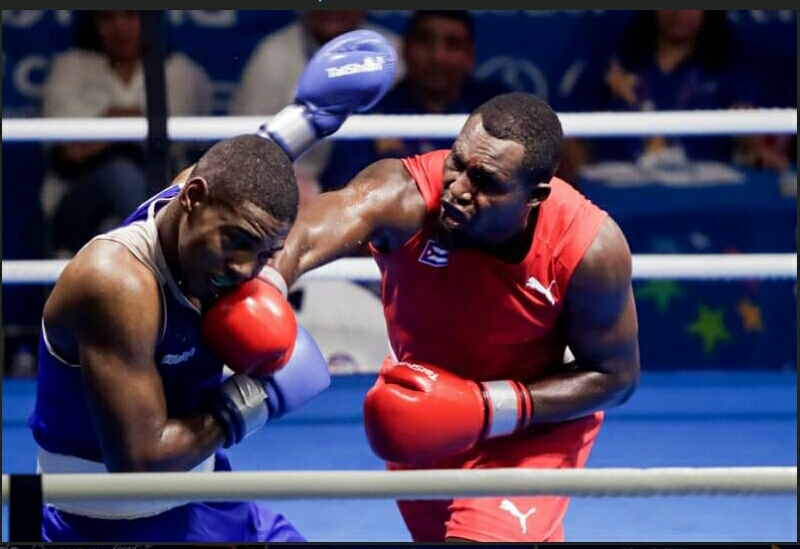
{"x":537,"y":286}
{"x":507,"y":505}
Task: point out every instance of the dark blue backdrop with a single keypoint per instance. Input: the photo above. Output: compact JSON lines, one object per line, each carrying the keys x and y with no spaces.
{"x":532,"y":50}
{"x":535,"y":51}
{"x":713,"y":323}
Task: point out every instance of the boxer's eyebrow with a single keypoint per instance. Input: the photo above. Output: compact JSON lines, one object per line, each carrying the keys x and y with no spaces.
{"x":277,"y":247}
{"x":240,"y":233}
{"x":255,"y":226}
{"x":458,"y":158}
{"x":484,"y":170}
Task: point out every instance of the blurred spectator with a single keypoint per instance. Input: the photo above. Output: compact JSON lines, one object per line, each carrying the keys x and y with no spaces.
{"x":94,"y":185}
{"x":669,"y":60}
{"x":270,"y":76}
{"x":439,"y":55}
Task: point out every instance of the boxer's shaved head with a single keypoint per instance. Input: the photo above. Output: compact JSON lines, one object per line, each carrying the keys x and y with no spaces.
{"x":528,"y":120}
{"x":249,"y":168}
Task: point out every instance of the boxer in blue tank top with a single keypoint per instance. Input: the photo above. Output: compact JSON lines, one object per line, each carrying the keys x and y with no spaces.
{"x":128,"y":382}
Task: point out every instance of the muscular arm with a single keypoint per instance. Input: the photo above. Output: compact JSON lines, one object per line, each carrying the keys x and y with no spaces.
{"x":382,"y":202}
{"x":602,"y":331}
{"x":109,"y":303}
{"x":450,"y":415}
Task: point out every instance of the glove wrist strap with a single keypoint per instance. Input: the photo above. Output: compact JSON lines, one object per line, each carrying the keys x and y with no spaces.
{"x":275,"y":402}
{"x":509,"y":407}
{"x":271,"y":275}
{"x":291,"y":130}
{"x":240,"y":408}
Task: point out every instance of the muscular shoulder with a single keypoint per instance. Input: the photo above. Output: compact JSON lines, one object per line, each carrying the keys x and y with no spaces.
{"x":389,"y":174}
{"x":104,"y":288}
{"x":392,"y":198}
{"x":606,"y":267}
{"x":389,"y":191}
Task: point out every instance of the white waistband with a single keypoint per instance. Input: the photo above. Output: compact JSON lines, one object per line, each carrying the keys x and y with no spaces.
{"x":48,"y":462}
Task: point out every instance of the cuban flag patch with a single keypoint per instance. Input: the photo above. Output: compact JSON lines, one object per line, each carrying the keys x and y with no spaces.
{"x":434,"y":255}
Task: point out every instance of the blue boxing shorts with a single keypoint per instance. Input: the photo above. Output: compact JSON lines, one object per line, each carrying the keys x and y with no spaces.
{"x":201,"y":522}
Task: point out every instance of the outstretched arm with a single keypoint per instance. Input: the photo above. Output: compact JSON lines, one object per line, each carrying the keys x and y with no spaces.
{"x":382,"y":204}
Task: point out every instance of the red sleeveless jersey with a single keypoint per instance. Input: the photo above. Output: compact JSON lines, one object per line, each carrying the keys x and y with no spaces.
{"x":485,"y":319}
{"x":473,"y":314}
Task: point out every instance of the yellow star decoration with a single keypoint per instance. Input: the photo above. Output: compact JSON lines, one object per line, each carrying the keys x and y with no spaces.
{"x":710,"y":327}
{"x":751,"y":316}
{"x":662,"y":292}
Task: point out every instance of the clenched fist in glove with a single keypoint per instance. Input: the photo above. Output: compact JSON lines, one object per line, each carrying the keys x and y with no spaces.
{"x":416,"y":414}
{"x":251,"y":328}
{"x":244,"y":403}
{"x":348,"y":74}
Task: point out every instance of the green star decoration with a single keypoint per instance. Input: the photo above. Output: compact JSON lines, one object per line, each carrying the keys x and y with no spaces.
{"x":662,"y":292}
{"x":710,"y":327}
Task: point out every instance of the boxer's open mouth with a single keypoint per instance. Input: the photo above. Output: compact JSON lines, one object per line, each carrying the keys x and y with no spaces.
{"x":454,"y":214}
{"x":220,"y":282}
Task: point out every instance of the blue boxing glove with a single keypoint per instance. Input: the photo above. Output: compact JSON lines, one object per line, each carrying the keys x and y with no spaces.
{"x":305,"y":376}
{"x":350,"y":73}
{"x":244,"y":403}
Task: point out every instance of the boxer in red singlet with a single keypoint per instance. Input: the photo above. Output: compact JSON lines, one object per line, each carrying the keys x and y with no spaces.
{"x":492,"y":271}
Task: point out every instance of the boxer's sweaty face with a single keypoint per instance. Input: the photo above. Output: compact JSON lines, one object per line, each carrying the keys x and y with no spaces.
{"x":485,"y":199}
{"x":224,"y":246}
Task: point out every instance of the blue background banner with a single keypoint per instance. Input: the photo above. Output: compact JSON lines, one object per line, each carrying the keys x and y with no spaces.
{"x":710,"y":324}
{"x":713,"y":323}
{"x":538,"y":51}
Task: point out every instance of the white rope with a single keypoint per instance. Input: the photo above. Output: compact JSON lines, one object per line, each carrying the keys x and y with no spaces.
{"x":594,"y":124}
{"x":425,"y":484}
{"x":714,"y":266}
{"x":645,"y":266}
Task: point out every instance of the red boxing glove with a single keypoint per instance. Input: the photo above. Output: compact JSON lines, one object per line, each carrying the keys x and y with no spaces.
{"x":417,"y":414}
{"x":252,"y":328}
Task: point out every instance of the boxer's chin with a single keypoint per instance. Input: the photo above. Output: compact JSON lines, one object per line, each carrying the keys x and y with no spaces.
{"x":450,"y":224}
{"x":445,"y":232}
{"x":452,"y":236}
{"x":200,"y":288}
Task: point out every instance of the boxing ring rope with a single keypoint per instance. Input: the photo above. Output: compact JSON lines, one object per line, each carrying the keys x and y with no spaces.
{"x":645,"y":266}
{"x":426,"y":484}
{"x":592,"y":124}
{"x":421,"y":484}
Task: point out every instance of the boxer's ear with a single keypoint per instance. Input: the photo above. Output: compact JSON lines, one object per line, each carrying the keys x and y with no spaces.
{"x":539,"y":194}
{"x":194,"y":193}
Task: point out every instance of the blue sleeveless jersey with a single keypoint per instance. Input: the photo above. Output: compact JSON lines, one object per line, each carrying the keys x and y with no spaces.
{"x":60,"y":420}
